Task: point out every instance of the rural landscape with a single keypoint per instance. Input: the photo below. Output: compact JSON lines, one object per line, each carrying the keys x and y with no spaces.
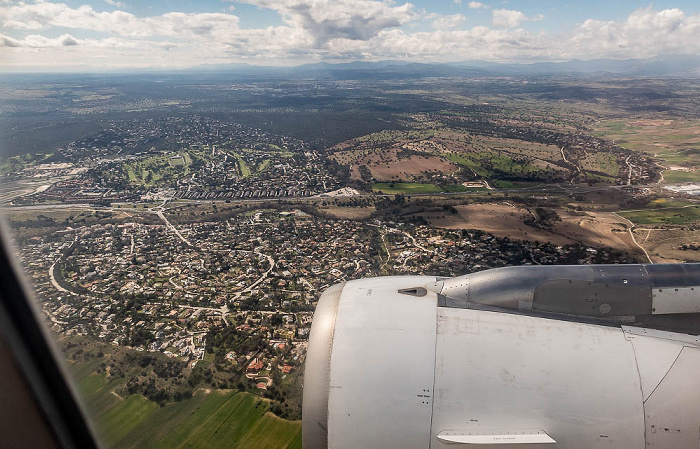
{"x":179,"y":230}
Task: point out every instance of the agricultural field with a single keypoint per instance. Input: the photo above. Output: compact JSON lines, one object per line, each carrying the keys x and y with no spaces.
{"x":405,"y":188}
{"x":675,"y":143}
{"x":680,"y":176}
{"x":502,"y":145}
{"x":678,"y":215}
{"x":209,"y":419}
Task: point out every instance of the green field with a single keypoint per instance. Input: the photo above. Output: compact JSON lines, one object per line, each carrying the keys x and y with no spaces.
{"x":501,"y":184}
{"x":681,"y":176}
{"x":599,"y":178}
{"x":671,"y":215}
{"x":497,"y":161}
{"x":393,"y":135}
{"x":602,"y":162}
{"x":263,"y":165}
{"x":405,"y":187}
{"x":210,"y":419}
{"x":467,"y":162}
{"x":455,"y":188}
{"x":674,"y":142}
{"x":158,"y":169}
{"x":243,"y":169}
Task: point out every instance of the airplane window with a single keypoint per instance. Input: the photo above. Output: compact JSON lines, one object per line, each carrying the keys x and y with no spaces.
{"x":184,"y":180}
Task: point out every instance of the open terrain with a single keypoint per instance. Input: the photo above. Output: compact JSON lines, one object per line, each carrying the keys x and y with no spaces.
{"x":209,"y":419}
{"x":597,"y":229}
{"x":674,"y":142}
{"x":190,"y":227}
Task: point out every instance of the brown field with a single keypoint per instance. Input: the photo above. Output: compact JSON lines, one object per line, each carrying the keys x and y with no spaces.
{"x":663,"y":244}
{"x":502,"y":220}
{"x":386,"y":165}
{"x":348,"y":213}
{"x":598,"y":229}
{"x":458,"y":142}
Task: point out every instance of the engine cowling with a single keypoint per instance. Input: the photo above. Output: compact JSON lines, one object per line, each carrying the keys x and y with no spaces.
{"x":569,"y":357}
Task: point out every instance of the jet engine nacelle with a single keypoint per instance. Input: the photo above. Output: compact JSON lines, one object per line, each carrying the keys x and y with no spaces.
{"x":563,"y":356}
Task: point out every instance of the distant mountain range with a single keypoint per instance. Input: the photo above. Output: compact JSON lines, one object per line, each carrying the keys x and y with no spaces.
{"x":671,"y":66}
{"x":668,"y":66}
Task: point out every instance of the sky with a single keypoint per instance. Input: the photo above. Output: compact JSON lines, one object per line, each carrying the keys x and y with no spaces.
{"x":104,"y":35}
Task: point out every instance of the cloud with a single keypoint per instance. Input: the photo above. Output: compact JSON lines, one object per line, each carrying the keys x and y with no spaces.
{"x":507,"y":18}
{"x":476,"y":5}
{"x":43,"y":15}
{"x":38,"y":41}
{"x":325,"y":20}
{"x":645,"y":33}
{"x":67,"y":40}
{"x":314,"y":30}
{"x":116,"y":3}
{"x":7,"y":41}
{"x":448,"y":22}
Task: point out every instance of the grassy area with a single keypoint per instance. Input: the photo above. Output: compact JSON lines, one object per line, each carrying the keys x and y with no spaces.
{"x":210,"y":419}
{"x":673,"y":176}
{"x":616,"y":127}
{"x":159,"y":168}
{"x":392,"y":135}
{"x":599,"y":178}
{"x":499,"y":162}
{"x":501,"y":184}
{"x":468,"y":162}
{"x":602,"y":162}
{"x":672,"y":215}
{"x":243,"y":169}
{"x":263,"y":165}
{"x":405,"y":187}
{"x":674,"y":142}
{"x":455,"y":188}
{"x":666,"y":202}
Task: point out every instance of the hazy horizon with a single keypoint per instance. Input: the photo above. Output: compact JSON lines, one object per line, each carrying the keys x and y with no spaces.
{"x":111,"y":35}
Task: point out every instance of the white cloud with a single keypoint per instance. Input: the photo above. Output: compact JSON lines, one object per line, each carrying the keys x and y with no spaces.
{"x":338,"y":30}
{"x":476,"y":5}
{"x":449,"y":22}
{"x":645,"y":33}
{"x":38,"y":41}
{"x":7,"y":41}
{"x":507,"y":18}
{"x":340,"y":19}
{"x":176,"y":24}
{"x":116,"y":3}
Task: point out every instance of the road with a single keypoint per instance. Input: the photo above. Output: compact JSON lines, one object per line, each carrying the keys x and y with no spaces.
{"x":264,"y":276}
{"x":173,"y":228}
{"x":53,"y":278}
{"x":630,"y":228}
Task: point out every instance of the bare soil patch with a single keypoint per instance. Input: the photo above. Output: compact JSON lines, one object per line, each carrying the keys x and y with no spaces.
{"x":389,"y":165}
{"x":501,"y":220}
{"x":597,"y":229}
{"x":664,"y":244}
{"x":349,"y":213}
